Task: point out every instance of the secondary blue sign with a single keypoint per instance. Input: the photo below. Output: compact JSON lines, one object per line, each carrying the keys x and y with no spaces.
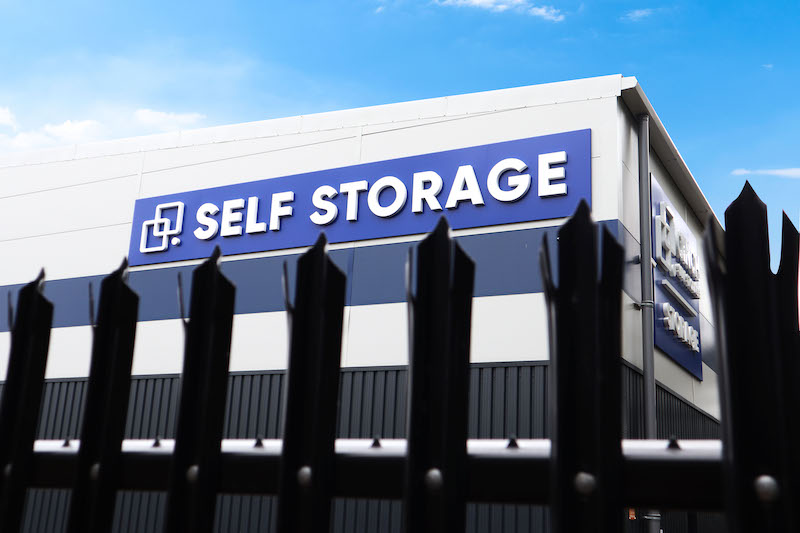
{"x":515,"y":181}
{"x":677,"y":285}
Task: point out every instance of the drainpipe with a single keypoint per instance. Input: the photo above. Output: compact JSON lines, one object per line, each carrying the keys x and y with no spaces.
{"x":646,"y":254}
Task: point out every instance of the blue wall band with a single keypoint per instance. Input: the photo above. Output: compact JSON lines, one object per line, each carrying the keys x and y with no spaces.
{"x":506,"y":263}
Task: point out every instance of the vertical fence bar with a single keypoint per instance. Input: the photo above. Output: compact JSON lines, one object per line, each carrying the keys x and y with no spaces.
{"x":585,"y":383}
{"x":312,"y":394}
{"x":789,"y":343}
{"x":195,"y":469}
{"x":105,"y":407}
{"x":22,"y":398}
{"x":755,"y":337}
{"x":439,"y":325}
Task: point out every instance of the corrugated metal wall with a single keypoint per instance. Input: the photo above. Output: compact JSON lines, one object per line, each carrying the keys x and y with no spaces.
{"x":505,"y":400}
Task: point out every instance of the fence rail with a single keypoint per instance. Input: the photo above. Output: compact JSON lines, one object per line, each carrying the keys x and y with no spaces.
{"x":586,"y":473}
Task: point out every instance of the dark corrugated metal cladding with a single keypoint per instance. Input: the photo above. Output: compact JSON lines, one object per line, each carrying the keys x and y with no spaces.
{"x":505,"y":399}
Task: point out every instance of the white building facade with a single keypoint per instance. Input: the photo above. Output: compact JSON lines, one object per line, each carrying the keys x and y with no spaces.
{"x":78,"y":211}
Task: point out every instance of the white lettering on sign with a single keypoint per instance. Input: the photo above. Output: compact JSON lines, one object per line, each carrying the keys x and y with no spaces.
{"x":519,"y":183}
{"x":352,"y":189}
{"x":547,"y":174}
{"x":427,"y":186}
{"x":465,"y":187}
{"x":400,"y":196}
{"x":210,"y":226}
{"x":673,"y":254}
{"x":235,"y":217}
{"x":231,"y":216}
{"x":675,"y":323}
{"x":253,"y":225}
{"x":420,"y":193}
{"x":279,"y":210}
{"x":319,"y":201}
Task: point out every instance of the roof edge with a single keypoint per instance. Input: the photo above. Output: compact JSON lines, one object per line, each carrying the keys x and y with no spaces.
{"x":660,"y":141}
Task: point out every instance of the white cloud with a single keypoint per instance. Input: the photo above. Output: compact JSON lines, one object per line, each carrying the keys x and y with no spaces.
{"x":166,"y":121}
{"x":781,"y":172}
{"x":638,"y":14}
{"x":117,"y":122}
{"x":767,"y":66}
{"x":549,"y":13}
{"x":379,"y":9}
{"x":74,"y":131}
{"x":49,"y":135}
{"x":7,"y":118}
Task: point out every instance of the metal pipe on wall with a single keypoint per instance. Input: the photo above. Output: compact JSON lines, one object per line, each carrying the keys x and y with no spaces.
{"x":647,"y":306}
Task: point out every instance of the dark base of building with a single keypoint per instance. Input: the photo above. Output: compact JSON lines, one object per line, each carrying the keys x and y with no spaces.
{"x":505,"y":400}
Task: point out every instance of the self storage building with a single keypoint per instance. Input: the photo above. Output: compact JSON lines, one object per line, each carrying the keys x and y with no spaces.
{"x":506,"y":168}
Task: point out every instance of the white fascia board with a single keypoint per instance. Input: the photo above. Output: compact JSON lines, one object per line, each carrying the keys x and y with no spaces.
{"x":638,"y":103}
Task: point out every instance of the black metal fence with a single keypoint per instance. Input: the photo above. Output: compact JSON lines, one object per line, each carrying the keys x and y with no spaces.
{"x":587,"y":474}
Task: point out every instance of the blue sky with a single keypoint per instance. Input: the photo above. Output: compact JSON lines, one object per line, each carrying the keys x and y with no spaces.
{"x":722,"y":76}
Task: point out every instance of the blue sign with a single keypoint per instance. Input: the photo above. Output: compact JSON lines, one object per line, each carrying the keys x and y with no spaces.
{"x":676,"y":277}
{"x":516,"y":181}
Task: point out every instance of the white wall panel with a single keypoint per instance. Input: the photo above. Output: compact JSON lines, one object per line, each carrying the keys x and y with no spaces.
{"x":70,"y":352}
{"x":660,"y":174}
{"x":628,"y":139}
{"x":628,"y":146}
{"x":509,"y":328}
{"x":65,"y":255}
{"x":631,"y":332}
{"x":630,"y":202}
{"x":46,"y":155}
{"x":271,"y":158}
{"x":260,"y":342}
{"x":377,"y":335}
{"x":706,"y":393}
{"x":19,"y":180}
{"x":74,"y":208}
{"x":159,"y":347}
{"x":673,"y":376}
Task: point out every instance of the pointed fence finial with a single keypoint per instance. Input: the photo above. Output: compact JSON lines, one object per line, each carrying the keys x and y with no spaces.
{"x":322,"y":240}
{"x":307,"y":475}
{"x":122,"y":270}
{"x":436,"y":473}
{"x":91,"y":305}
{"x":758,"y":352}
{"x":584,"y":325}
{"x":287,"y":298}
{"x":10,"y":312}
{"x":216,"y":254}
{"x":181,"y":307}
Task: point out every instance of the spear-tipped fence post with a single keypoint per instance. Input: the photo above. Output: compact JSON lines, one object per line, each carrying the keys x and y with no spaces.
{"x":585,"y":375}
{"x":22,"y":398}
{"x":312,"y":393}
{"x":195,"y":471}
{"x":439,"y":321}
{"x":105,"y":407}
{"x":757,"y":331}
